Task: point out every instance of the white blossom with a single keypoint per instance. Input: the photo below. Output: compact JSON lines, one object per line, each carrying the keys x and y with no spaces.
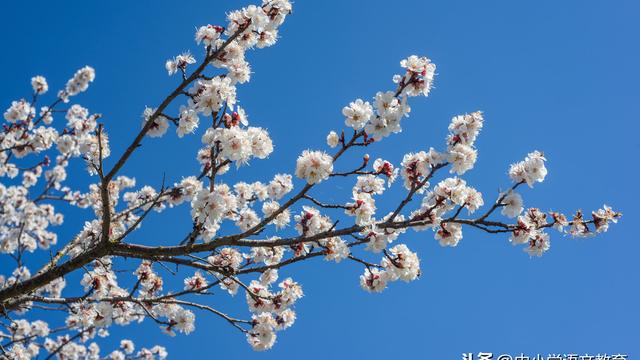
{"x":363,"y":208}
{"x":179,"y":62}
{"x":332,"y":139}
{"x":19,"y":111}
{"x":127,"y":346}
{"x":159,"y":125}
{"x":401,"y":263}
{"x":449,"y":234}
{"x":188,"y":121}
{"x":530,"y":170}
{"x":357,"y":114}
{"x":208,"y":34}
{"x":512,"y":204}
{"x":538,"y":244}
{"x":373,"y":280}
{"x":280,"y":186}
{"x":336,"y":249}
{"x":261,"y":145}
{"x":314,"y":166}
{"x":39,"y":84}
{"x":80,"y":81}
{"x":462,"y":158}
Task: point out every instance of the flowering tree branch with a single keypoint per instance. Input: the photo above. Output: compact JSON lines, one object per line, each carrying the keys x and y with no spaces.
{"x":294,"y":226}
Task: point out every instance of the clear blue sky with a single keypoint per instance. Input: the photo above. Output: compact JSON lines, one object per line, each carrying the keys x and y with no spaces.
{"x":558,"y":76}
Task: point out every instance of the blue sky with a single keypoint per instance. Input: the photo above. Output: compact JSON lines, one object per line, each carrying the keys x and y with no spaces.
{"x":556,"y":76}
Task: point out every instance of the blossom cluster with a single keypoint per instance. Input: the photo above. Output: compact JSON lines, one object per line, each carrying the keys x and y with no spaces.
{"x":382,"y":118}
{"x":209,"y":208}
{"x":399,"y":263}
{"x":272,"y":309}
